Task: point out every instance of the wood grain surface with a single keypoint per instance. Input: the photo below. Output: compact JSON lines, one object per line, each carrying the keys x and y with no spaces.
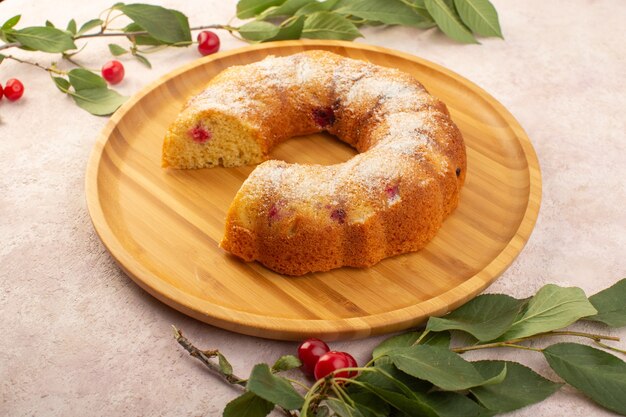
{"x":162,"y":226}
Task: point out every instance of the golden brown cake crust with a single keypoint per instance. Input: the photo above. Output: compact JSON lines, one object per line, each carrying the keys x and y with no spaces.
{"x":389,"y":199}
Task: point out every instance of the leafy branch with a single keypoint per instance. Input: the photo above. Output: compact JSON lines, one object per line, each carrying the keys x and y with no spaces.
{"x":421,"y":373}
{"x":223,"y":367}
{"x":514,"y":343}
{"x":151,"y":28}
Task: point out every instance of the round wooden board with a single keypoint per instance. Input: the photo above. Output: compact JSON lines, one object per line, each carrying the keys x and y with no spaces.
{"x":162,"y":226}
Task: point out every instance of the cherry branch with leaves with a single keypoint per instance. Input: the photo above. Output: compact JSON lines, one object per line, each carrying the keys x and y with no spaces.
{"x":423,"y":373}
{"x":151,"y":28}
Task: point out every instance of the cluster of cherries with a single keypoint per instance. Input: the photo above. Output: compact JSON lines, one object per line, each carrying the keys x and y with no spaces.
{"x":208,"y":43}
{"x":319,"y":361}
{"x":13,"y":89}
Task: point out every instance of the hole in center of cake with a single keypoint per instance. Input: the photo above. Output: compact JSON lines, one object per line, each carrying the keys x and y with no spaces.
{"x":320,"y":148}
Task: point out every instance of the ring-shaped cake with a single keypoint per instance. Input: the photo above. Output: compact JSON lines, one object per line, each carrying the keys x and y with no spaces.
{"x":391,"y":198}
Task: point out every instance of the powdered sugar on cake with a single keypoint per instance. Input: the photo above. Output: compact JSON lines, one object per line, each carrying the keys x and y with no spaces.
{"x":297,"y":218}
{"x":408,"y":137}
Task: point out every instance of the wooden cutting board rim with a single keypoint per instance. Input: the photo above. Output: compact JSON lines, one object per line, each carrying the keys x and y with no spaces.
{"x":294,"y":329}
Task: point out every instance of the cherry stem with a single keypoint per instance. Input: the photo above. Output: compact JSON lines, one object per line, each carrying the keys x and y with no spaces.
{"x":143,"y":32}
{"x":622,"y":351}
{"x":35,"y":64}
{"x":592,"y":336}
{"x":495,"y":345}
{"x":513,"y":342}
{"x":205,"y":356}
{"x":300,"y":384}
{"x":9,"y":45}
{"x":69,"y":59}
{"x":341,"y":393}
{"x":422,"y":336}
{"x":103,"y":34}
{"x":312,"y":394}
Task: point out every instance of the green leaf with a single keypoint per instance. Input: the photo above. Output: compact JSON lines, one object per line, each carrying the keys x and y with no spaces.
{"x":90,"y":24}
{"x":273,"y":388}
{"x":250,"y":8}
{"x":342,"y":409}
{"x":440,"y":366}
{"x":440,"y":339}
{"x":388,"y":377}
{"x":143,"y":60}
{"x":41,"y":38}
{"x":117,"y":50}
{"x":248,"y":405}
{"x":452,"y":404}
{"x":292,"y":30}
{"x":49,"y":24}
{"x":448,"y":21}
{"x":417,"y":403}
{"x":409,"y":405}
{"x":385,"y":11}
{"x":71,"y":27}
{"x":408,"y":339}
{"x":2,"y":58}
{"x":285,"y":363}
{"x":141,"y":39}
{"x":62,"y":84}
{"x":258,"y":31}
{"x":611,"y":305}
{"x":148,"y":40}
{"x":316,"y":6}
{"x":98,"y":101}
{"x":402,"y":340}
{"x":10,"y":24}
{"x":166,"y":25}
{"x":329,"y":25}
{"x":225,"y":367}
{"x":288,"y":8}
{"x":369,"y":404}
{"x":420,"y":8}
{"x":82,"y":79}
{"x":183,"y":21}
{"x":552,"y":308}
{"x":480,"y":16}
{"x":597,"y":374}
{"x":486,"y":317}
{"x":521,"y":387}
{"x":419,"y":4}
{"x":322,"y":411}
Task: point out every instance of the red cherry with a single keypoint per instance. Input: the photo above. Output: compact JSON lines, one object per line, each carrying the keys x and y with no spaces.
{"x":208,"y":42}
{"x":324,"y":116}
{"x":113,"y":72}
{"x":332,"y":361}
{"x":352,"y":363}
{"x":309,"y":353}
{"x":1,"y":92}
{"x":200,"y":134}
{"x":13,"y":89}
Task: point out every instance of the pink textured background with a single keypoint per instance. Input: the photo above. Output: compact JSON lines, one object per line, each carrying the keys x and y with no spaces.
{"x":80,"y":338}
